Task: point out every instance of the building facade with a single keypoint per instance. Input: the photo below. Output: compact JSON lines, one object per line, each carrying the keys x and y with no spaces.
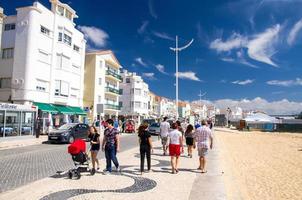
{"x":134,"y":96}
{"x":102,"y":85}
{"x":42,"y":61}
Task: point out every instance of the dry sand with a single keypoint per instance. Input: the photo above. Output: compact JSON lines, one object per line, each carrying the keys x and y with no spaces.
{"x":261,"y":165}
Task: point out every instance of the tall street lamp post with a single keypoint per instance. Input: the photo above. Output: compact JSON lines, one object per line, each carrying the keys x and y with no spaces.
{"x":177,"y":49}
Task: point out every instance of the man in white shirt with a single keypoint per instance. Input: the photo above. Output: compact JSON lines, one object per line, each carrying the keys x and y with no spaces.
{"x":164,"y":131}
{"x":202,"y":136}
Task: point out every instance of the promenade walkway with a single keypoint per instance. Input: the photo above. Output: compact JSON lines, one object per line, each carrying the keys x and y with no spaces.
{"x":189,"y":183}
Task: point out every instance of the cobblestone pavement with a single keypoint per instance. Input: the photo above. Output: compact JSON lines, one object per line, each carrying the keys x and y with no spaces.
{"x":20,"y":166}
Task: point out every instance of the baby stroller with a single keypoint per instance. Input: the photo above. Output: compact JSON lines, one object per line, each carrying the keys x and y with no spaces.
{"x":77,"y":150}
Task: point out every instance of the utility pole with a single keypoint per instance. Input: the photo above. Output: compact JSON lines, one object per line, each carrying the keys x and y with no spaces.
{"x":176,"y":49}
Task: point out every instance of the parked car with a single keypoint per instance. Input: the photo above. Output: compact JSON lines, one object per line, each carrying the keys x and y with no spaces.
{"x":68,"y":133}
{"x":154,"y":129}
{"x":149,"y":121}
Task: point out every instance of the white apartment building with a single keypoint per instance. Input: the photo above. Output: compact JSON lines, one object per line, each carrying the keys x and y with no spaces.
{"x":42,"y":61}
{"x":102,"y":84}
{"x":134,"y":96}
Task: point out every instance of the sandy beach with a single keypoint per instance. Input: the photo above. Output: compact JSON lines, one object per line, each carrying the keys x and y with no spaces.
{"x":261,"y":165}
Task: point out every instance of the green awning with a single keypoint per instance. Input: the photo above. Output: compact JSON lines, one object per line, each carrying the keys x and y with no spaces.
{"x":78,"y":110}
{"x":46,"y":107}
{"x":63,"y":109}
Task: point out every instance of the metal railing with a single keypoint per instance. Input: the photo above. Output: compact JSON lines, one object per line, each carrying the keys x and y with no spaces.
{"x":111,"y":89}
{"x":114,"y":74}
{"x":112,"y":106}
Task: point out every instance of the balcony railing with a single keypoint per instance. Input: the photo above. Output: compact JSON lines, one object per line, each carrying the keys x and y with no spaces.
{"x":113,"y":90}
{"x":112,"y":106}
{"x":114,"y":74}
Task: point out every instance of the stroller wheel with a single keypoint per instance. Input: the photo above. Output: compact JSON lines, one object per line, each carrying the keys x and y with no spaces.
{"x":70,"y":175}
{"x":78,"y":173}
{"x":78,"y":176}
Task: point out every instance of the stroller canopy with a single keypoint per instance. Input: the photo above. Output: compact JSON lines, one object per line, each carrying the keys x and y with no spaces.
{"x":77,"y":146}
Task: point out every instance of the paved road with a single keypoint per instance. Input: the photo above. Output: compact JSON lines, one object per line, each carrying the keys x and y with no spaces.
{"x":23,"y":165}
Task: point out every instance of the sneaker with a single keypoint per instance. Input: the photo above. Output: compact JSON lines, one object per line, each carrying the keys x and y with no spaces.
{"x":118,"y":169}
{"x":106,"y":172}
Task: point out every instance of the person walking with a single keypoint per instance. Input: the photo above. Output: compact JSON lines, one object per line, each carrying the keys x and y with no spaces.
{"x":175,"y":147}
{"x":146,"y":148}
{"x":179,"y":127}
{"x":189,"y":134}
{"x":203,"y":135}
{"x":111,"y":145}
{"x":164,"y":131}
{"x":94,"y":138}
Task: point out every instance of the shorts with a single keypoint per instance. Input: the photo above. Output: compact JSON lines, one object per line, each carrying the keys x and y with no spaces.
{"x":94,"y":150}
{"x":174,"y":150}
{"x":164,"y":140}
{"x":189,"y":141}
{"x":202,"y":152}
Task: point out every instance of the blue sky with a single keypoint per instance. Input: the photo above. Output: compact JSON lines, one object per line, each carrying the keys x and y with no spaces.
{"x":241,"y":50}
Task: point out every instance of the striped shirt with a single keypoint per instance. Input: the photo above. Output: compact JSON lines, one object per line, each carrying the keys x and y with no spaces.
{"x":202,"y":136}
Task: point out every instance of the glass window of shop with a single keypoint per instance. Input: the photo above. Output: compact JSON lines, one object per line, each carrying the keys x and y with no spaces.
{"x":16,"y":123}
{"x":1,"y":123}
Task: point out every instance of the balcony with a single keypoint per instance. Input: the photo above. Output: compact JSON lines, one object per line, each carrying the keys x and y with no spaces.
{"x":109,"y":106}
{"x":112,"y":90}
{"x":114,"y":74}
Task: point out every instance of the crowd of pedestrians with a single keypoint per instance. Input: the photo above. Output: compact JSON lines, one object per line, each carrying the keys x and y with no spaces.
{"x":172,"y":139}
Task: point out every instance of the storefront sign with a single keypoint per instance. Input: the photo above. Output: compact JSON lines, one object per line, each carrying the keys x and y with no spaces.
{"x":8,"y":106}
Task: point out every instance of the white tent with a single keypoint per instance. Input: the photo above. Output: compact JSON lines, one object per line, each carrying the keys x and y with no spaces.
{"x":260,"y":117}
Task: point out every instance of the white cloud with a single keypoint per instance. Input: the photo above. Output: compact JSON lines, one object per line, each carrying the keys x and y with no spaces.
{"x":242,"y":60}
{"x":140,"y":61}
{"x":286,"y":83}
{"x":151,"y":9}
{"x":234,"y":42}
{"x":161,"y":68}
{"x":188,"y":75}
{"x":143,"y":27}
{"x":228,"y":59}
{"x":95,"y":35}
{"x":261,"y":48}
{"x":275,"y":107}
{"x":164,"y":36}
{"x":245,"y":82}
{"x":294,"y":32}
{"x":149,"y":76}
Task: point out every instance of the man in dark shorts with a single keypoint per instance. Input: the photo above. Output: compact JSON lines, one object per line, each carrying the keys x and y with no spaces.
{"x":111,"y":145}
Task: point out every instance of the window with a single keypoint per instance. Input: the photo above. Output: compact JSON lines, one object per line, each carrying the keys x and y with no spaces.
{"x":68,"y":14}
{"x":100,"y":81}
{"x":76,"y":48}
{"x":41,"y":86}
{"x":101,"y":64}
{"x":145,"y":106}
{"x":120,"y":104}
{"x":99,"y":99}
{"x":61,"y":88}
{"x":9,"y":27}
{"x":67,"y":39}
{"x":43,"y":56}
{"x":63,"y":37}
{"x":127,"y":80}
{"x":7,"y":53}
{"x":74,"y":92}
{"x":61,"y":10}
{"x":63,"y":62}
{"x":5,"y":82}
{"x":121,"y":91}
{"x":60,"y":38}
{"x":137,"y":104}
{"x":45,"y":30}
{"x":137,"y":91}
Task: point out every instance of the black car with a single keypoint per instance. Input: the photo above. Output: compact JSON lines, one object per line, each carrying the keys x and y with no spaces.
{"x":68,"y":133}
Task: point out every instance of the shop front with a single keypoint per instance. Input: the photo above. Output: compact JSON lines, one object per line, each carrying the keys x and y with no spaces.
{"x":54,"y":115}
{"x":16,"y":120}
